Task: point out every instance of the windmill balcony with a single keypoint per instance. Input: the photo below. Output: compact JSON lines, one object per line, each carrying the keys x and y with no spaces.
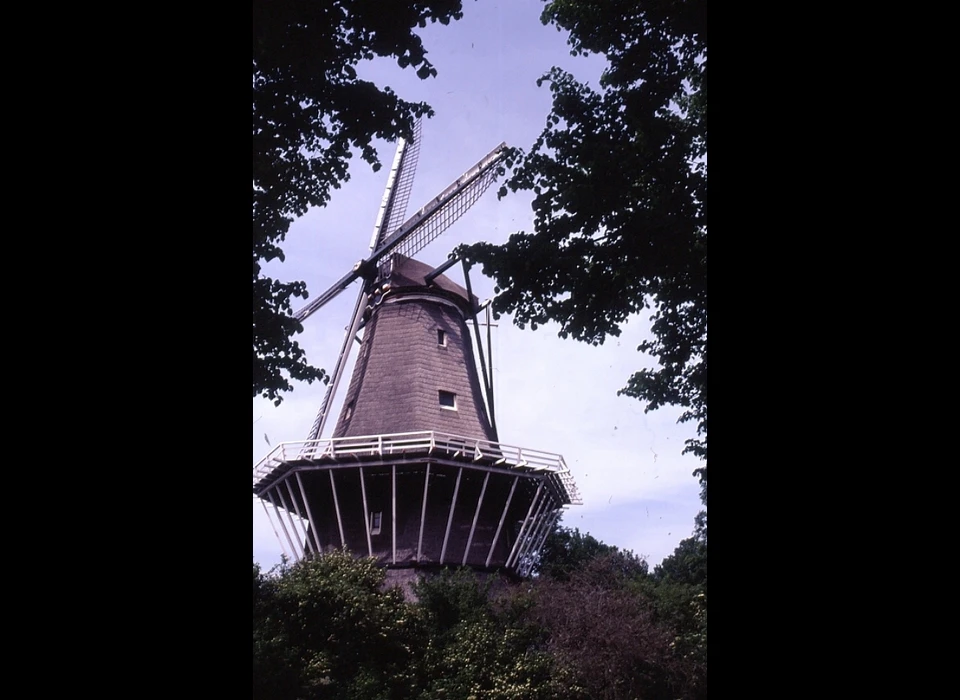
{"x":415,"y":499}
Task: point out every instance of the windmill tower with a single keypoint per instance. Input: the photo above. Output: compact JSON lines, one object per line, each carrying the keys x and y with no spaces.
{"x":414,"y":473}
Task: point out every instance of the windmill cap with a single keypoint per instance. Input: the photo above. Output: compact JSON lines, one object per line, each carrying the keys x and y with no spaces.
{"x":410,"y":274}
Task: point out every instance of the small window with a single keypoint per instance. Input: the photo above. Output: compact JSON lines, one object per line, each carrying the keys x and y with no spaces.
{"x":348,"y":412}
{"x":376,"y":518}
{"x":448,"y":400}
{"x":441,"y":338}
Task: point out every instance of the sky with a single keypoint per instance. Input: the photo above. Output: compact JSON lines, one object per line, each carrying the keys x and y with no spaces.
{"x":551,"y":394}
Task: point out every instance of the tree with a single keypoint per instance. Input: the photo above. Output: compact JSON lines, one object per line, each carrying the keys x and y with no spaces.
{"x":619,"y":178}
{"x":604,"y":631}
{"x":311,"y":112}
{"x":679,"y":595}
{"x":620,"y":631}
{"x":327,"y":628}
{"x":479,"y":647}
{"x":688,"y":563}
{"x":276,"y":665}
{"x":567,"y":551}
{"x":324,"y":628}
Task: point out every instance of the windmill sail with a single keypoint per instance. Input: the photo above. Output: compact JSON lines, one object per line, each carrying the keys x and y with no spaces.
{"x":434,"y":218}
{"x":400,"y":195}
{"x":393,"y":207}
{"x":443,"y":210}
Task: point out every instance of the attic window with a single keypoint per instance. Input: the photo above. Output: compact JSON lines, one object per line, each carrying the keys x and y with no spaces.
{"x":441,"y":338}
{"x":448,"y":400}
{"x":376,"y":519}
{"x":348,"y":412}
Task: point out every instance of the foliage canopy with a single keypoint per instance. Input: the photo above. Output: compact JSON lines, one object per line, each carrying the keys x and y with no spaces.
{"x":327,"y":628}
{"x":311,"y":112}
{"x":619,"y":176}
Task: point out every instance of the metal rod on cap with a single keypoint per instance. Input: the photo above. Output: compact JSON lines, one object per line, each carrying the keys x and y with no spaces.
{"x":437,"y":271}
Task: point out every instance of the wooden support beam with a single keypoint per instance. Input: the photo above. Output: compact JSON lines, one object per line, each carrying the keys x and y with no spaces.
{"x":306,"y":505}
{"x":466,"y":550}
{"x":524,"y":526}
{"x":282,"y":526}
{"x":366,"y":513}
{"x":453,"y":505}
{"x":393,"y":510}
{"x":336,"y":505}
{"x":502,"y":518}
{"x":296,"y":509}
{"x":276,"y":534}
{"x":423,"y":511}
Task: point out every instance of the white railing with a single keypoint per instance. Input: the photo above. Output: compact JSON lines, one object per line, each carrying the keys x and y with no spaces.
{"x":424,"y":442}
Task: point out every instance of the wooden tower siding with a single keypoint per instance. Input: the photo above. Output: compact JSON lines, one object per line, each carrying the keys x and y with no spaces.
{"x":402,"y":367}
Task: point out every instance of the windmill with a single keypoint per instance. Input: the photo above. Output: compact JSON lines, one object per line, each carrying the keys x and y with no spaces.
{"x":414,"y":473}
